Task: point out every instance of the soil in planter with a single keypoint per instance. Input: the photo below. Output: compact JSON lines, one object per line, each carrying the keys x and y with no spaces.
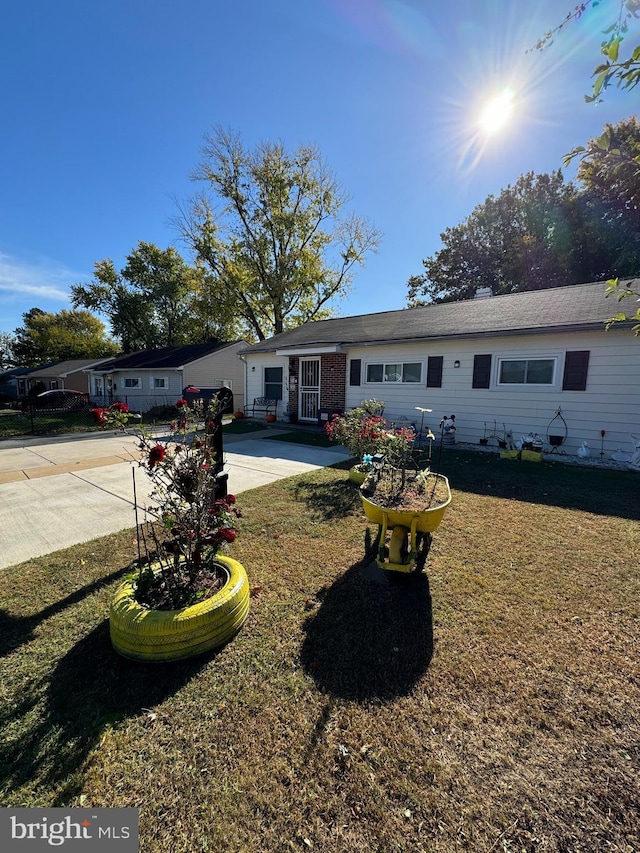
{"x":163,"y":591}
{"x":419,"y":493}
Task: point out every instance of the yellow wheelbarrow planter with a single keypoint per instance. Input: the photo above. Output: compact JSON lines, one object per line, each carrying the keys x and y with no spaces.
{"x":409,"y":529}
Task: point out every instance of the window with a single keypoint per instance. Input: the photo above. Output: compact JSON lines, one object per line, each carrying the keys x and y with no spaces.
{"x":132,"y":382}
{"x":53,"y":385}
{"x":526,"y":371}
{"x":434,"y":371}
{"x":407,"y":371}
{"x":160,"y":383}
{"x":273,"y":383}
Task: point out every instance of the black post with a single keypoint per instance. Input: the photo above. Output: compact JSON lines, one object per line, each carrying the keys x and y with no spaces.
{"x":221,"y":401}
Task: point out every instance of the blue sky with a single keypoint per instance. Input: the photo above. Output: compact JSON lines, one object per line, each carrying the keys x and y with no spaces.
{"x":104,"y":107}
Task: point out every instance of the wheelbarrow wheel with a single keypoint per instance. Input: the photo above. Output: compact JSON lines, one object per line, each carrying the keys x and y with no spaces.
{"x":423,"y":546}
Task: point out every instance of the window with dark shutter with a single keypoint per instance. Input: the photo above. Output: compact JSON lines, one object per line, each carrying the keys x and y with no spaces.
{"x":576,"y":366}
{"x":481,"y":371}
{"x":355,"y":371}
{"x":434,"y":371}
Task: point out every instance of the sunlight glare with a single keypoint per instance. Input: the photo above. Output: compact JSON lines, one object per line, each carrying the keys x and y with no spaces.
{"x":497,"y":112}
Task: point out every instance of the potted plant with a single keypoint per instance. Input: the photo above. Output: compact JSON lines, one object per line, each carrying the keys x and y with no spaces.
{"x":185,"y":596}
{"x":404,"y":501}
{"x":360,"y":430}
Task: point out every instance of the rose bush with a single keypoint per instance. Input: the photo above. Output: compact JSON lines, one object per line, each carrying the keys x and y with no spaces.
{"x":188,"y":521}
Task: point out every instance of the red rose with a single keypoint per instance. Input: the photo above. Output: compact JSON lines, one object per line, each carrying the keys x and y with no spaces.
{"x":156,"y":454}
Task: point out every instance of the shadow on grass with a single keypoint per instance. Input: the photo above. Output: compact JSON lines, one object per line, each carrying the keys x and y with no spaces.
{"x":17,"y":630}
{"x":333,"y":499}
{"x":56,"y":722}
{"x":595,"y":490}
{"x":372,"y":636}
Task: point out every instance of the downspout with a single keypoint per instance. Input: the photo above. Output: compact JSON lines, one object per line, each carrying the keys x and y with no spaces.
{"x":243,"y":359}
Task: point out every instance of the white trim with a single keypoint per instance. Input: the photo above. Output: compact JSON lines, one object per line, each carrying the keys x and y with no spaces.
{"x":387,"y":382}
{"x":556,"y":384}
{"x":137,"y":379}
{"x":163,"y":387}
{"x":310,"y":351}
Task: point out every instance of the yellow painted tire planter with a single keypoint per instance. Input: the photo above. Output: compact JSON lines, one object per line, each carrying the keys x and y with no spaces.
{"x":357,"y":477}
{"x":168,"y":635}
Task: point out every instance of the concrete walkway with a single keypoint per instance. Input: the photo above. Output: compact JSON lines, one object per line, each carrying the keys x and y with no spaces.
{"x":58,"y":492}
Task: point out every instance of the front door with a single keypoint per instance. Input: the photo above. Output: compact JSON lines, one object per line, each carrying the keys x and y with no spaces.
{"x":309,"y":389}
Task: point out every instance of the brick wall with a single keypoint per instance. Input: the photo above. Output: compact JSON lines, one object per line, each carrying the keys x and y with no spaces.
{"x":333,"y":379}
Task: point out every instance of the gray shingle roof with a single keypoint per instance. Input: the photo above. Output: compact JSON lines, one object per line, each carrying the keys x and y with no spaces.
{"x":62,"y":368}
{"x":578,"y":307}
{"x":163,"y":357}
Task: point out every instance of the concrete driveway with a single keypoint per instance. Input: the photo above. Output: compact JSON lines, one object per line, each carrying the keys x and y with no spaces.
{"x":58,"y":492}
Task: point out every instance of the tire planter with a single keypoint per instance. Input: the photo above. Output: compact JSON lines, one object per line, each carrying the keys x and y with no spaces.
{"x":169,"y":635}
{"x":357,"y":477}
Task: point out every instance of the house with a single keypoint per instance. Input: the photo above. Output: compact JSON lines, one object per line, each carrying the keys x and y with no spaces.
{"x":499,"y":363}
{"x":69,"y":374}
{"x":9,"y":382}
{"x":157,"y":377}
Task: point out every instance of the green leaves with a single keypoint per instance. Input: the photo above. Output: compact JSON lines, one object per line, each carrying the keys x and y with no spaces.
{"x":281,"y":248}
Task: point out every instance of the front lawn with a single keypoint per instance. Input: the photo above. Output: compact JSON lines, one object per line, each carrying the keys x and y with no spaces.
{"x":493,"y":705}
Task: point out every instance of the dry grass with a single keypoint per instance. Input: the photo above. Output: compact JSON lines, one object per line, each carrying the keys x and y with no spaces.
{"x":491,"y":706}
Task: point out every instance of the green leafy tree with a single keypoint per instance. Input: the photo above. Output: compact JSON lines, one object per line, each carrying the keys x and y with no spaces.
{"x":156,"y":300}
{"x":621,"y":65}
{"x":270,"y":230}
{"x":46,"y":337}
{"x":536,"y":234}
{"x":7,"y":357}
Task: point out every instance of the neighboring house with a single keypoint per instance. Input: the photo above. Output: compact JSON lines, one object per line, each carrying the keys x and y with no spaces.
{"x":58,"y":374}
{"x":157,"y":377}
{"x":496,"y":362}
{"x":12,"y":380}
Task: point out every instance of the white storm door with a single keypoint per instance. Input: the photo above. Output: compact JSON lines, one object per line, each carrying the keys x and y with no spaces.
{"x":309,"y":389}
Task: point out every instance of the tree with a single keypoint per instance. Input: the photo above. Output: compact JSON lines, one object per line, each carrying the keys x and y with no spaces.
{"x":48,"y":337}
{"x":624,"y":72}
{"x":611,"y":182}
{"x":534,"y":235}
{"x":152,"y":302}
{"x":270,"y":230}
{"x":7,"y":358}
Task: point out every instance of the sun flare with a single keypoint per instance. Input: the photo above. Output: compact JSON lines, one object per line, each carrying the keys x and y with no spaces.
{"x":497,"y":112}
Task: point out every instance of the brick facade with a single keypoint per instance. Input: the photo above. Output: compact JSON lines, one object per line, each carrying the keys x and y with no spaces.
{"x":333,"y":379}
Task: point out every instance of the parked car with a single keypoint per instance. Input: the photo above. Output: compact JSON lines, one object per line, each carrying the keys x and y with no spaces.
{"x":58,"y":400}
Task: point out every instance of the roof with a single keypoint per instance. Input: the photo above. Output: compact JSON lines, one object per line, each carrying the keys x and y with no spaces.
{"x":164,"y":357}
{"x":64,"y":368}
{"x":578,"y":307}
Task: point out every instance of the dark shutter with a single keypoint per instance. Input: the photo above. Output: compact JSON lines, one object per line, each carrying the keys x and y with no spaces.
{"x":434,"y":371}
{"x":576,"y":365}
{"x":481,"y":371}
{"x":355,"y":371}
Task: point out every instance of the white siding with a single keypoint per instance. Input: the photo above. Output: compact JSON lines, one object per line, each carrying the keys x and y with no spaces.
{"x":255,"y":378}
{"x":213,"y":370}
{"x":611,"y":400}
{"x":145,"y":398}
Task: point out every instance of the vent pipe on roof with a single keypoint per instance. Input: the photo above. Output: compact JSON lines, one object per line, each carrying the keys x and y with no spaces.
{"x":483,"y":292}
